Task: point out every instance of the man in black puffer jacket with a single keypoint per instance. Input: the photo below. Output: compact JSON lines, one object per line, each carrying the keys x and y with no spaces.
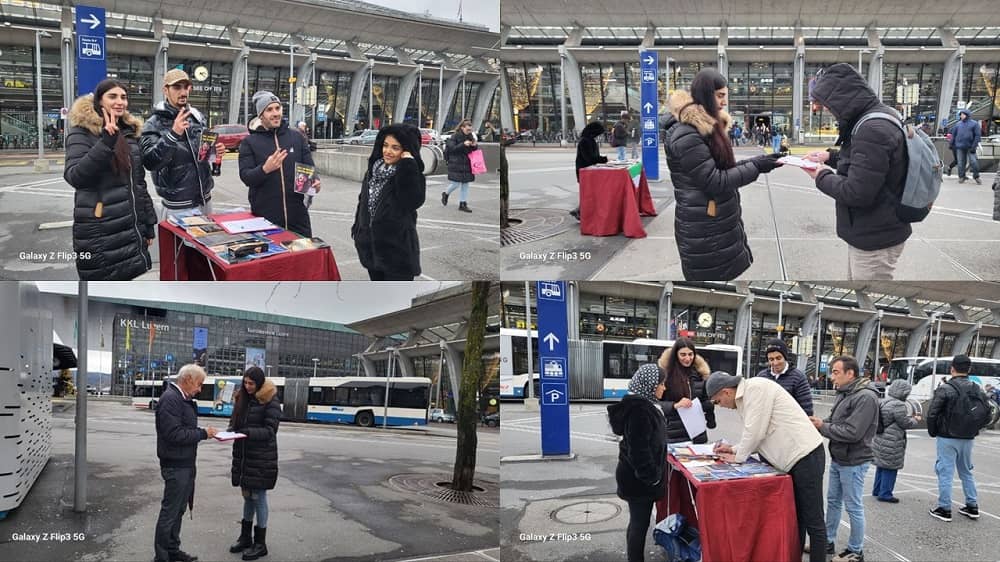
{"x":170,"y":142}
{"x":870,"y":172}
{"x":273,"y":147}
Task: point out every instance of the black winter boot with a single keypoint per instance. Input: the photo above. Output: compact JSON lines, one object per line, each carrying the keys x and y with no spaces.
{"x":259,"y":547}
{"x":444,"y":198}
{"x":245,"y":540}
{"x":464,"y":207}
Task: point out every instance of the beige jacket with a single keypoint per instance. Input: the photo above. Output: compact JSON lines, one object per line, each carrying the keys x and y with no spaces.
{"x":773,"y":424}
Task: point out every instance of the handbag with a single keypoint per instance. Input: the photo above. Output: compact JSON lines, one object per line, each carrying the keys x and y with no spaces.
{"x":477,"y":162}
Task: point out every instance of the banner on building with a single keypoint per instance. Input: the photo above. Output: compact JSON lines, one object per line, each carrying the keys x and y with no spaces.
{"x":255,"y":357}
{"x":200,"y":346}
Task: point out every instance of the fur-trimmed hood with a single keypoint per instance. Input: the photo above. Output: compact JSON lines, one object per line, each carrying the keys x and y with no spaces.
{"x":266,"y":392}
{"x":684,"y":109}
{"x":83,"y":114}
{"x":699,"y":364}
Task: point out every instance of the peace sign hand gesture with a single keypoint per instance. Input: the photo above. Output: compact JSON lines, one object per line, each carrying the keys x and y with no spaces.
{"x":110,"y":123}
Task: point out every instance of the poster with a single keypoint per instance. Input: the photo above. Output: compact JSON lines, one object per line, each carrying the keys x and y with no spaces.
{"x":255,"y":357}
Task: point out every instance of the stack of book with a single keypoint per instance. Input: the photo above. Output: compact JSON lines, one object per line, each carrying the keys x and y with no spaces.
{"x":706,"y":466}
{"x":230,"y":248}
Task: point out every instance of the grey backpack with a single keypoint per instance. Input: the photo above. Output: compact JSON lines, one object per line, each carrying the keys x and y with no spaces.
{"x":924,"y":173}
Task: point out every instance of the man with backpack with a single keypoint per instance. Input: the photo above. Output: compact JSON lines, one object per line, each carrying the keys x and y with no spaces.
{"x":619,"y":135}
{"x":867,"y":176}
{"x":957,"y":412}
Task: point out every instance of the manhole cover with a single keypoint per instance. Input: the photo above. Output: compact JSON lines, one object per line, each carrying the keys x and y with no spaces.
{"x":588,"y":512}
{"x":536,"y":224}
{"x":435,"y":487}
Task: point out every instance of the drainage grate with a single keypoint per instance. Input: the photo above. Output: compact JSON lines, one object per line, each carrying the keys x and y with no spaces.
{"x":586,"y":513}
{"x":432,"y":486}
{"x":536,"y":224}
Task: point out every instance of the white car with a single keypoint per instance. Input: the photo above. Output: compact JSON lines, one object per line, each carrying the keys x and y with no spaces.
{"x":440,"y":416}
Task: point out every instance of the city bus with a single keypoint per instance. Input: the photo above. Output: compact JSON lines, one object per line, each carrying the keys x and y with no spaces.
{"x":599,"y":370}
{"x":925,"y":374}
{"x":348,"y":400}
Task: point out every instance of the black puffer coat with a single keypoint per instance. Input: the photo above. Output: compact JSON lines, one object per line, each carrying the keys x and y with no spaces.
{"x":871,"y":166}
{"x":273,"y":195}
{"x":642,"y":450}
{"x":181,"y":179}
{"x":255,"y":459}
{"x":459,"y":167}
{"x":712,"y":248}
{"x":697,"y":375}
{"x":177,"y":431}
{"x":388,"y":241}
{"x":111,"y":247}
{"x":587,"y":153}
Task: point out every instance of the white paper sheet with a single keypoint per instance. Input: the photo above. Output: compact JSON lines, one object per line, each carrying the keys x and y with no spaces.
{"x":799,"y":162}
{"x":703,"y":449}
{"x":693,"y":418}
{"x":247,"y":225}
{"x":229,"y":435}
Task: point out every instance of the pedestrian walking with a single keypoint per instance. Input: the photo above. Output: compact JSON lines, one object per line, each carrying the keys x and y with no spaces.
{"x":385,"y":222}
{"x":268,"y":156}
{"x":889,"y":445}
{"x":776,"y":140}
{"x":619,"y":134}
{"x":588,"y":154}
{"x":256,"y":414}
{"x":456,"y":153}
{"x":708,"y":223}
{"x":684,"y":373}
{"x":641,"y":455}
{"x":965,"y":138}
{"x":954,"y":155}
{"x":996,"y":196}
{"x":113,"y":215}
{"x":865,"y":176}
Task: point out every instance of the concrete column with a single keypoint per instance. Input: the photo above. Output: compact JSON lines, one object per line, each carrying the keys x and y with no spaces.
{"x":810,"y":324}
{"x":722,"y":58}
{"x":864,"y":342}
{"x":236,"y":85}
{"x":160,"y":68}
{"x":798,"y":90}
{"x":574,"y":88}
{"x":303,"y":79}
{"x":506,"y":103}
{"x":403,"y":99}
{"x":916,"y":338}
{"x":950,"y":76}
{"x":358,"y":83}
{"x":405,"y":364}
{"x":486,"y":92}
{"x":964,"y":340}
{"x":743,"y":324}
{"x":453,"y":358}
{"x":450,"y":88}
{"x":68,"y":57}
{"x":572,"y":310}
{"x":664,"y":311}
{"x":959,"y":313}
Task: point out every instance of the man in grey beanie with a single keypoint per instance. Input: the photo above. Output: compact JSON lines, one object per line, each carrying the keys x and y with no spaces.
{"x":273,"y":147}
{"x":780,"y":432}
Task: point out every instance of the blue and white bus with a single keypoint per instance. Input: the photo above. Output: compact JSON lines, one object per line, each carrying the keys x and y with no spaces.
{"x":599,"y":370}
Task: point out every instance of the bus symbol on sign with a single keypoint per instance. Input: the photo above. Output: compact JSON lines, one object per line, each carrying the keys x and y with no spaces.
{"x":551,"y":290}
{"x":92,"y":47}
{"x":648,"y":76}
{"x":554,"y":369}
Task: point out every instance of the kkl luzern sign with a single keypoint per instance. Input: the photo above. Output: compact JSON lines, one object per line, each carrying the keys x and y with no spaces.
{"x":142,"y":324}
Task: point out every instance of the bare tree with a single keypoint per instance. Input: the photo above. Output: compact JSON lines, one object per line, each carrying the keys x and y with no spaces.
{"x":472,"y":372}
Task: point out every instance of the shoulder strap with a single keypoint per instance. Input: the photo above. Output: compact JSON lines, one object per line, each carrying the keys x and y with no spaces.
{"x":877,"y":115}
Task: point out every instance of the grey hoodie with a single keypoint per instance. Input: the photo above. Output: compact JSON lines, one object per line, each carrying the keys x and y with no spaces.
{"x":851,"y":424}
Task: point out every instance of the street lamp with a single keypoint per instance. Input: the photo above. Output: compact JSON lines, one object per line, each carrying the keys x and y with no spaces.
{"x":269,"y":369}
{"x":291,"y":79}
{"x":385,"y":410}
{"x":315,"y":365}
{"x":371,"y":83}
{"x":781,"y":298}
{"x":441,"y":112}
{"x":40,"y":164}
{"x":562,"y":94}
{"x":862,"y":52}
{"x":420,"y":95}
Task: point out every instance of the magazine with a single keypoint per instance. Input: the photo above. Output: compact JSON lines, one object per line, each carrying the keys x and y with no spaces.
{"x":306,"y":179}
{"x":203,"y":230}
{"x":207,"y":149}
{"x":300,"y":244}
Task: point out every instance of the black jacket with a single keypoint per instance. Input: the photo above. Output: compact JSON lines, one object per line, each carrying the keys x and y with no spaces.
{"x":642,"y":450}
{"x":587,"y":153}
{"x":177,"y":431}
{"x":111,"y":247}
{"x":619,"y":134}
{"x":939,"y":412}
{"x":712,"y":248}
{"x":457,"y":155}
{"x":697,"y":374}
{"x":255,"y":458}
{"x":273,"y":196}
{"x":388,"y":241}
{"x":871,"y":167}
{"x":181,"y":179}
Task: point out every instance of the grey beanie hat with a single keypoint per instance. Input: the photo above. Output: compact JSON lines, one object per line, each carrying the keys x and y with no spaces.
{"x":262,"y":99}
{"x":719,"y":380}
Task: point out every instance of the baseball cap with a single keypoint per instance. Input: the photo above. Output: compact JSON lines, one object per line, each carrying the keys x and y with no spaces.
{"x":175,"y":75}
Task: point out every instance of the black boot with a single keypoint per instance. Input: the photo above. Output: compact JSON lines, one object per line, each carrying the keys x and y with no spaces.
{"x":444,"y":198}
{"x":245,"y":540}
{"x":259,"y":547}
{"x":462,"y":206}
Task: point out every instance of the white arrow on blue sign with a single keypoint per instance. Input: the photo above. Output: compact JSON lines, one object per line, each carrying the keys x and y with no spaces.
{"x":92,"y":20}
{"x":552,"y":340}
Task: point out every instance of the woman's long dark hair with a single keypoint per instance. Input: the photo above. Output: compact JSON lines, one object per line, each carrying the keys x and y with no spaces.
{"x":678,"y":385}
{"x":242,"y":399}
{"x":120,"y":160}
{"x":703,"y":89}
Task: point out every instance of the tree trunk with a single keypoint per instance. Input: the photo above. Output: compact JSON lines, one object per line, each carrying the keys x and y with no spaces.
{"x":504,"y":186}
{"x":472,"y":372}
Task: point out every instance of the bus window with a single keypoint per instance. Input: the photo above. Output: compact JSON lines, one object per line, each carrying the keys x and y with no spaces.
{"x":921,"y":371}
{"x":720,"y":361}
{"x":207,"y":392}
{"x":898,"y":370}
{"x":342,"y":396}
{"x":409,"y":395}
{"x":942,"y":367}
{"x":368,"y":396}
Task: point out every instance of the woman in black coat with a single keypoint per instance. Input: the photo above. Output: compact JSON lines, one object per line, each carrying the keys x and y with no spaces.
{"x":587,"y":153}
{"x":385,"y":223}
{"x":113,"y":215}
{"x":456,"y":153}
{"x":708,"y":223}
{"x":641,"y":455}
{"x":684,"y":373}
{"x":256,"y":414}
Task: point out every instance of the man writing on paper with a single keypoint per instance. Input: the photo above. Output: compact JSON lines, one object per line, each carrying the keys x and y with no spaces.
{"x":776,"y":427}
{"x":177,"y":438}
{"x":267,"y":166}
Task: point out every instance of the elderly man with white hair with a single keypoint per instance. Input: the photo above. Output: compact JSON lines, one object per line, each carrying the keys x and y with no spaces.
{"x":177,"y":438}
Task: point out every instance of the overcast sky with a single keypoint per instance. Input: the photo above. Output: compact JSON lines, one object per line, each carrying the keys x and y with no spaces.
{"x":482,"y":12}
{"x":343,"y":302}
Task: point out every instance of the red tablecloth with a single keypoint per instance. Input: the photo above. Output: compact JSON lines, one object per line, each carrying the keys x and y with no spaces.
{"x":183,"y":259}
{"x":744,"y":520}
{"x":610,"y":203}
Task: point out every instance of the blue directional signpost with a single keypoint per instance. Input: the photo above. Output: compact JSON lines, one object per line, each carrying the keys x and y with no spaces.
{"x":649,"y":70}
{"x":552,"y":354}
{"x":91,"y":63}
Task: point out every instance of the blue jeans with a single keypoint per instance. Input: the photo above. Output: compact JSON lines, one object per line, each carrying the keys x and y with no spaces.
{"x":255,"y":501}
{"x":967,"y":155}
{"x":885,"y":482}
{"x":621,"y":152}
{"x":952,"y":454}
{"x":845,"y":489}
{"x":463,"y":195}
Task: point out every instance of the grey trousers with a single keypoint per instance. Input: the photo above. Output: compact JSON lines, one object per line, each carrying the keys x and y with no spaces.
{"x":178,"y":484}
{"x":871,"y":266}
